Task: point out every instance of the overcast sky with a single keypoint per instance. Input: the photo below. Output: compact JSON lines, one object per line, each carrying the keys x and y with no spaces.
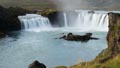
{"x":71,"y":4}
{"x":98,"y":4}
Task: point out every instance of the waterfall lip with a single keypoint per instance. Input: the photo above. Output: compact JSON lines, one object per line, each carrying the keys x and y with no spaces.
{"x":29,"y":16}
{"x":97,"y":11}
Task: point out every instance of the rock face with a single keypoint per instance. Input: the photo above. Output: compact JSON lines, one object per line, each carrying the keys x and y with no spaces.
{"x":9,"y":18}
{"x":83,"y":38}
{"x":36,"y":64}
{"x":56,"y":18}
{"x":2,"y":35}
{"x":113,"y":36}
{"x":113,"y":39}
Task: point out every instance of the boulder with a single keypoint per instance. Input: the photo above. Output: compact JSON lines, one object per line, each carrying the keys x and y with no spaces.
{"x":37,"y":64}
{"x":92,"y":11}
{"x":83,"y":38}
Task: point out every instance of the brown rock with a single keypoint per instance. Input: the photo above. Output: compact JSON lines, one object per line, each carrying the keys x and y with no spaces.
{"x":83,"y":38}
{"x":37,"y":64}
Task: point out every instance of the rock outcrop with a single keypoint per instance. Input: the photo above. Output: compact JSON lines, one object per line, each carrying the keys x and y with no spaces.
{"x":55,"y":17}
{"x":82,"y":38}
{"x":113,"y":36}
{"x":37,"y":64}
{"x":9,"y":18}
{"x":113,"y":39}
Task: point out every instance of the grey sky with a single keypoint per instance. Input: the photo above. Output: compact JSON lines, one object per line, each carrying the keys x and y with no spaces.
{"x":70,"y":4}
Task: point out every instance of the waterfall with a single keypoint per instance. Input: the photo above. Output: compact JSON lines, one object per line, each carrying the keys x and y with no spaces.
{"x":34,"y":21}
{"x":65,"y":20}
{"x":85,"y":20}
{"x":82,"y":20}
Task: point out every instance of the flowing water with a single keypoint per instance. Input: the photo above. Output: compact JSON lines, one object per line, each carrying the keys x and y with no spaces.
{"x":39,"y":41}
{"x":21,"y":49}
{"x":85,"y":20}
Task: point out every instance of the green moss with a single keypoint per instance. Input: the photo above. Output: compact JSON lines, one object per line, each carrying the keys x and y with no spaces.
{"x":115,"y":28}
{"x":61,"y":67}
{"x":112,"y":63}
{"x":46,"y":12}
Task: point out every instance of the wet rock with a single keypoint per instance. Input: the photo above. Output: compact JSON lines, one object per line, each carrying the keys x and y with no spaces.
{"x":83,"y":38}
{"x":91,"y":11}
{"x":37,"y":64}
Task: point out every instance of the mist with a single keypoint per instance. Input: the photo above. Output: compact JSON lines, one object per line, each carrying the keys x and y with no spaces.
{"x":87,"y":4}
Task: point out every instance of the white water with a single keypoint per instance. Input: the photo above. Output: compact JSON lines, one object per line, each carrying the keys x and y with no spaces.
{"x":34,"y":22}
{"x":85,"y":21}
{"x":82,"y":20}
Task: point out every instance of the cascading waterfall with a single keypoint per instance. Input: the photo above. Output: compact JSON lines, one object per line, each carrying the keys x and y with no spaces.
{"x":97,"y":21}
{"x":34,"y":22}
{"x":82,"y":20}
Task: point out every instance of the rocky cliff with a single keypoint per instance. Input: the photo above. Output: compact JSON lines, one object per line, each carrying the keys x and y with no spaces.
{"x":9,"y":18}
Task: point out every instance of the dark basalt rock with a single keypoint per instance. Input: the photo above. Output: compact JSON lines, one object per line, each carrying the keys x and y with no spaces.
{"x":2,"y":34}
{"x":91,"y":11}
{"x":83,"y":38}
{"x":37,"y":64}
{"x":9,"y":18}
{"x":56,"y":18}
